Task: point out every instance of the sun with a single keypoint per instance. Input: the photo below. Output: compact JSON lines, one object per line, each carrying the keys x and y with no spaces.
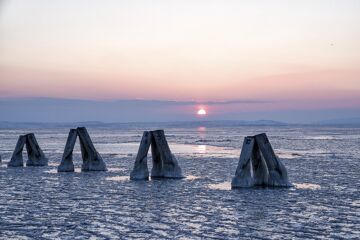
{"x":201,"y":112}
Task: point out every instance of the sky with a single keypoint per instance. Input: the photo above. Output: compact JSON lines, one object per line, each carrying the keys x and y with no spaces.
{"x":266,"y":59}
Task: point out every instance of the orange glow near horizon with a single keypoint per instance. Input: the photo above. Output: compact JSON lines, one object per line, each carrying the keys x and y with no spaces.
{"x":288,"y":57}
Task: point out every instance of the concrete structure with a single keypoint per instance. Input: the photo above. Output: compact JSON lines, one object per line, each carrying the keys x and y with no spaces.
{"x":165,"y":164}
{"x":259,"y":166}
{"x":92,"y":161}
{"x":141,"y":170}
{"x":36,"y":156}
{"x":67,"y":164}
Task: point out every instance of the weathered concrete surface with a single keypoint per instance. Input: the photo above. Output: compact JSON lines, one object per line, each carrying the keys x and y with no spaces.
{"x":141,"y":171}
{"x":36,"y":156}
{"x":259,"y":166}
{"x":165,"y":164}
{"x":243,"y":176}
{"x":67,"y":164}
{"x":277,"y":172}
{"x":17,"y":157}
{"x":92,"y":161}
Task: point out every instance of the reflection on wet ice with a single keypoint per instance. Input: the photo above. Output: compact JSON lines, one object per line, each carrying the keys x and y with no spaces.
{"x":306,"y":186}
{"x":201,"y":149}
{"x":118,"y":178}
{"x":220,"y":186}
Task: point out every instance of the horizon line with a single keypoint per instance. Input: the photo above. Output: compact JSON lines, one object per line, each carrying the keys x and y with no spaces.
{"x":183,"y":102}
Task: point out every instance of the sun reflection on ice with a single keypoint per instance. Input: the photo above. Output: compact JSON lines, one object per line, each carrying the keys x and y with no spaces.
{"x":202,"y":132}
{"x":201,"y":149}
{"x":201,"y":129}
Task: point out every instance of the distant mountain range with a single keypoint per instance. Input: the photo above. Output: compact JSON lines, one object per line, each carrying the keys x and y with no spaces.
{"x":97,"y":124}
{"x":185,"y":124}
{"x":340,"y":121}
{"x":57,"y":112}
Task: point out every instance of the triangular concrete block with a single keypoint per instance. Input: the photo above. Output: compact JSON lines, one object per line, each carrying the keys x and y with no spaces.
{"x":17,"y":157}
{"x":165,"y":164}
{"x":277,"y":172}
{"x":259,"y":166}
{"x":92,"y":161}
{"x":36,"y":156}
{"x":67,"y":164}
{"x":243,"y":176}
{"x":141,"y":171}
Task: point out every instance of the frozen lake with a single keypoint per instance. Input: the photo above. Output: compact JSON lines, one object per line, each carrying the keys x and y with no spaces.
{"x":323,"y":163}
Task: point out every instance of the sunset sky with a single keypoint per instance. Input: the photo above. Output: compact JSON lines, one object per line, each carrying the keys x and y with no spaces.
{"x":264,"y":55}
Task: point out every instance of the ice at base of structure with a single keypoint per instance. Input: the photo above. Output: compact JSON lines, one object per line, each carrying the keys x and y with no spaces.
{"x":141,"y":174}
{"x":66,"y":167}
{"x":242,"y":182}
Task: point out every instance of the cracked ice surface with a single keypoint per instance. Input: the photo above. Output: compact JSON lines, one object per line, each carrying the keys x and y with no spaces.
{"x":323,"y":164}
